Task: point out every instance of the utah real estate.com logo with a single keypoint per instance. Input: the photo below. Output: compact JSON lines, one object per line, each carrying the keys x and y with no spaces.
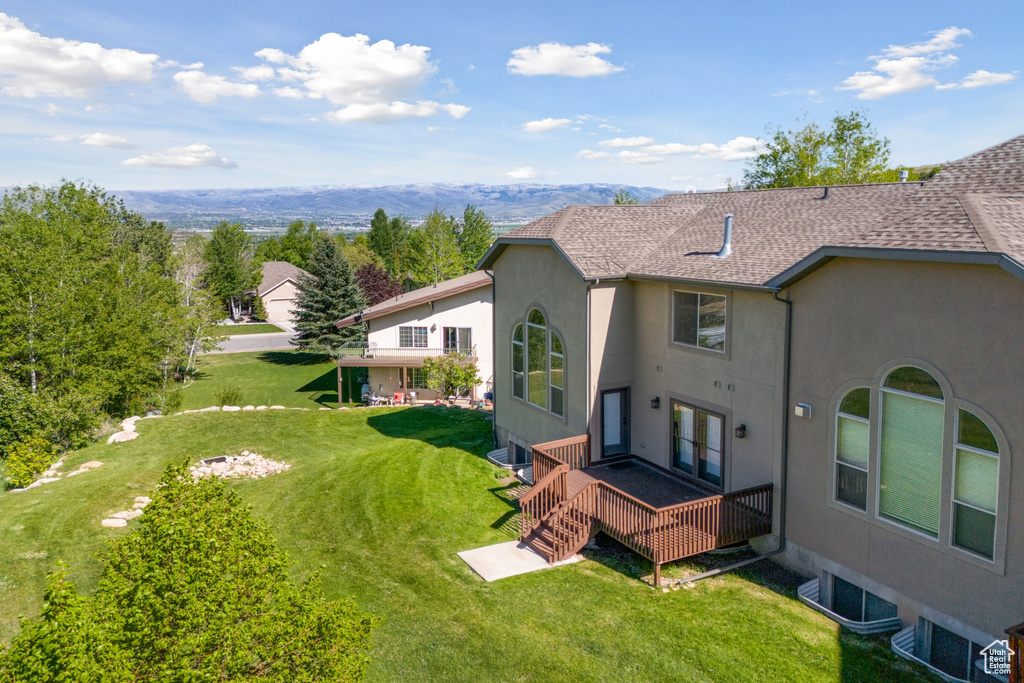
{"x":997,"y":658}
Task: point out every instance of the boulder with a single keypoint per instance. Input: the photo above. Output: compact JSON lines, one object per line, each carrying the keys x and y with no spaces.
{"x":277,"y":407}
{"x":230,"y":409}
{"x":91,"y":465}
{"x":324,"y":408}
{"x":249,"y":408}
{"x":188,"y":412}
{"x":210,"y":409}
{"x":143,"y":499}
{"x":121,"y":437}
{"x":138,"y":506}
{"x":71,"y":474}
{"x":261,"y":407}
{"x":126,"y":514}
{"x":128,"y":424}
{"x":115,"y":523}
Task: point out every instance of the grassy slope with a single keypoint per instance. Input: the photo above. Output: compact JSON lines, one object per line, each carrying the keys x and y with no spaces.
{"x":287,"y":378}
{"x":249,"y":328}
{"x":383,"y":499}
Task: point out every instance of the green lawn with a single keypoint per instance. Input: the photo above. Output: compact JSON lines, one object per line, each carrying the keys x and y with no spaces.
{"x":289,"y":378}
{"x":383,"y":499}
{"x":251,"y":328}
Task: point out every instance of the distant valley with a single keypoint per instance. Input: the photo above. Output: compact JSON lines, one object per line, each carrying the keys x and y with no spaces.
{"x":349,"y":207}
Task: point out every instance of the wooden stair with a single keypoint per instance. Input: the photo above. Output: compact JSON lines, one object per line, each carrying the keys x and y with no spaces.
{"x":542,"y":539}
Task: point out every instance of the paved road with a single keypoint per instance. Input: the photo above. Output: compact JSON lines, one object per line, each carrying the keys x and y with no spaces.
{"x":275,"y":341}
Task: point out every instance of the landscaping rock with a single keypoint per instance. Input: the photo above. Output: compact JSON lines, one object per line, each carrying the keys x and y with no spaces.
{"x":261,"y":407}
{"x":121,"y":437}
{"x":277,"y":407}
{"x":40,"y":482}
{"x":230,"y":409}
{"x":324,"y":408}
{"x":17,"y":490}
{"x":187,"y":412}
{"x":128,"y":424}
{"x":114,"y":523}
{"x":250,"y":465}
{"x":91,"y":465}
{"x":248,"y":407}
{"x":127,"y":514}
{"x":143,"y":499}
{"x":71,"y":474}
{"x":210,"y":409}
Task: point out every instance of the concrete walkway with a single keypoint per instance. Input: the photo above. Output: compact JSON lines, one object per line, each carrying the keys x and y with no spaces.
{"x":503,"y":560}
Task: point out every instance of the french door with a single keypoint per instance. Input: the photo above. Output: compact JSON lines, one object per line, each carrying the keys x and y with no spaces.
{"x":697,"y":439}
{"x":615,"y":422}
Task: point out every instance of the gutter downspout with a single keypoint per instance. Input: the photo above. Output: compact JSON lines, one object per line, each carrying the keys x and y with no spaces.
{"x":785,"y":458}
{"x":590,"y":407}
{"x":494,"y":340}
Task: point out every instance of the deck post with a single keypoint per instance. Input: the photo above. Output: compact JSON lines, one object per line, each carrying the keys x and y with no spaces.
{"x":657,"y":575}
{"x":339,"y":380}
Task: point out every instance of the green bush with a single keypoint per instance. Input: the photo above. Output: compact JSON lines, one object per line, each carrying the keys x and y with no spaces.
{"x":259,"y":311}
{"x":229,"y":395}
{"x":28,"y":459}
{"x":18,"y":414}
{"x":198,"y":591}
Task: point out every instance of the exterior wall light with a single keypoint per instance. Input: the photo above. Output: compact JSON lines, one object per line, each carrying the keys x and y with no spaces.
{"x":741,"y":431}
{"x":656,"y":402}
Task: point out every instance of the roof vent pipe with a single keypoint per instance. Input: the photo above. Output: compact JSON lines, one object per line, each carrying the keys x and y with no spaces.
{"x":727,"y":241}
{"x":904,"y":175}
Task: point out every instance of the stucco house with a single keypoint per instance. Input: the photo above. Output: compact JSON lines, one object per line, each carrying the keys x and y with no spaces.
{"x":838,"y":381}
{"x":450,"y":316}
{"x":279,"y":289}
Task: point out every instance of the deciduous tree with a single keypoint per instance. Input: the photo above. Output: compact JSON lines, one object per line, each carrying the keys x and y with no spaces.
{"x":448,"y":373}
{"x":434,"y":254}
{"x":388,"y":238}
{"x":377,"y":284}
{"x":232,"y":271}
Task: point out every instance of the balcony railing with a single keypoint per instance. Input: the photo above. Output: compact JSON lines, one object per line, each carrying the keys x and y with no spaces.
{"x":371,"y":354}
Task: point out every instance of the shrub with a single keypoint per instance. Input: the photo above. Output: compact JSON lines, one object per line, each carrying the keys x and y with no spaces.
{"x":228,"y":396}
{"x":446,"y":374}
{"x":259,"y":311}
{"x":198,"y":591}
{"x":18,"y":414}
{"x":29,"y":459}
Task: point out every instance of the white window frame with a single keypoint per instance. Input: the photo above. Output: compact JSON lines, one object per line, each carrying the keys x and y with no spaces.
{"x":512,"y":360}
{"x":953,"y":502}
{"x":414,"y":331}
{"x":551,"y":386}
{"x":835,"y":452}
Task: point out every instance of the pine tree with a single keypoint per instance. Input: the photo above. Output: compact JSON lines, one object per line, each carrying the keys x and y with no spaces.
{"x":329,"y":293}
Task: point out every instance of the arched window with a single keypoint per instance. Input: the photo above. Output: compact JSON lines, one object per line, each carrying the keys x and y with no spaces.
{"x":910,"y":459}
{"x":851,"y":447}
{"x":975,"y":485}
{"x":538,"y":364}
{"x":518,"y":360}
{"x":536,"y":359}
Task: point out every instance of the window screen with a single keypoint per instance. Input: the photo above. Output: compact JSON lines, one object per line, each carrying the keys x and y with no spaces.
{"x":699,"y":320}
{"x":911,"y":461}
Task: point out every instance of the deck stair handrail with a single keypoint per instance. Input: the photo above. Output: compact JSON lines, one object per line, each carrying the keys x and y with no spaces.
{"x":548,"y":493}
{"x":371,"y":350}
{"x":574,"y":452}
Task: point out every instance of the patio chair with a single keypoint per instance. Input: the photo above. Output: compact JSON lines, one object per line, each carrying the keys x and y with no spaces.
{"x":398,"y":400}
{"x":370,"y":351}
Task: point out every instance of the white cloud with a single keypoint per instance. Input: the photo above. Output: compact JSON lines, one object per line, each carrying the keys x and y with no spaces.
{"x":592,"y":155}
{"x":521,"y":173}
{"x":556,"y":59}
{"x":371,"y":82}
{"x":632,"y":156}
{"x":449,"y":87}
{"x":51,"y":109}
{"x":106,"y":140}
{"x":734,"y":150}
{"x":189,"y":156}
{"x":32,"y":65}
{"x":905,"y":68}
{"x":254,"y":73}
{"x":545,"y":125}
{"x":609,"y":128}
{"x":96,"y":140}
{"x":203,"y":87}
{"x":392,"y":111}
{"x":176,"y":64}
{"x":627,"y":142}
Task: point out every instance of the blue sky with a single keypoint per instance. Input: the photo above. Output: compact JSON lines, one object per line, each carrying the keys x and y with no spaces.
{"x":152,"y":95}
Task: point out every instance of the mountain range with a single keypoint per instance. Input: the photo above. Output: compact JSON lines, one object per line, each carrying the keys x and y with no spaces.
{"x":352,"y":205}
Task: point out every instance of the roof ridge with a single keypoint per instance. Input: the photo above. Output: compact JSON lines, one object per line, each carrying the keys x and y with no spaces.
{"x":569,"y":211}
{"x":992,"y":239}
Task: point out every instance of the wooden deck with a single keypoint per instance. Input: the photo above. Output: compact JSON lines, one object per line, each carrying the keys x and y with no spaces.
{"x":653,"y":512}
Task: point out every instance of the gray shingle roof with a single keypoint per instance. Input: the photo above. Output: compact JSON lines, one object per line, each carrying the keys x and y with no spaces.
{"x":416,"y":297}
{"x":276,"y":272}
{"x":975,"y":204}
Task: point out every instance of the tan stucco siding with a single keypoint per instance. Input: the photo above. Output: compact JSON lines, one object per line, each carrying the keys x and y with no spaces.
{"x":744,"y":383}
{"x":524,"y":277}
{"x":280,"y":302}
{"x":852,"y":320}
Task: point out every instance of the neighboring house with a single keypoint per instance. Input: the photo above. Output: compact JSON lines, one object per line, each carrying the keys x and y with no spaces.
{"x":451,"y":316}
{"x":279,"y":289}
{"x":855,"y":352}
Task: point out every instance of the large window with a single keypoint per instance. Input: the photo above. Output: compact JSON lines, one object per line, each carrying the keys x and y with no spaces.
{"x":697,"y":438}
{"x":910,"y":461}
{"x":852,"y":428}
{"x":412,"y":337}
{"x":538,"y":364}
{"x":976,"y":486}
{"x":518,"y":361}
{"x":458,"y":339}
{"x":698,"y":319}
{"x":905,"y":465}
{"x":417,"y":379}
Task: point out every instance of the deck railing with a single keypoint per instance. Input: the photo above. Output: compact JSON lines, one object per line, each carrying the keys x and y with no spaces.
{"x":574,"y":452}
{"x":659,"y":534}
{"x":1016,"y":643}
{"x":542,"y":498}
{"x":369,"y":351}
